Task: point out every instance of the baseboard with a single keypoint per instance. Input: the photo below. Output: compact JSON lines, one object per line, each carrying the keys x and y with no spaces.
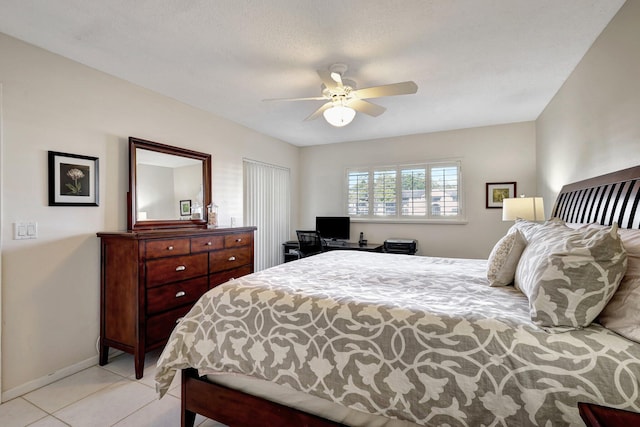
{"x":53,"y":377}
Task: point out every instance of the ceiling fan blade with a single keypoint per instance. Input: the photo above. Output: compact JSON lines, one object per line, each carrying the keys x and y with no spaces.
{"x":336,"y":77}
{"x":319,"y":111}
{"x":312,"y":98}
{"x":325,"y":76}
{"x":403,"y":88}
{"x":366,"y":107}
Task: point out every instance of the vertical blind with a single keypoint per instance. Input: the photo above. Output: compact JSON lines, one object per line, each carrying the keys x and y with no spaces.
{"x":267,"y":200}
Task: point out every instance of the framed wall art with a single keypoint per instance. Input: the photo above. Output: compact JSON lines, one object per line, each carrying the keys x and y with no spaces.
{"x":497,"y":191}
{"x":185,"y":207}
{"x":73,"y":180}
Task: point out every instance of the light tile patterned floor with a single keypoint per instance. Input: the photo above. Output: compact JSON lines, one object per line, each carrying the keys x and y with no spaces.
{"x":100,"y":396}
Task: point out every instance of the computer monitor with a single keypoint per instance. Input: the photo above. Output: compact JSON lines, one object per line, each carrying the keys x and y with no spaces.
{"x":333,"y":227}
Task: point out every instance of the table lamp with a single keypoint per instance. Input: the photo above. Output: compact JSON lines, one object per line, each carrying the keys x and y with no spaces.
{"x":530,"y":208}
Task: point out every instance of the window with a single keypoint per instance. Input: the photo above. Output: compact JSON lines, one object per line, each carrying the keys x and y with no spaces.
{"x":358,"y":199}
{"x":406,"y":192}
{"x":414,"y":200}
{"x":384,"y":193}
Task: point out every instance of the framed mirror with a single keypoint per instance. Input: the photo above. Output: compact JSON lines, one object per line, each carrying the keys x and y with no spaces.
{"x":169,"y":187}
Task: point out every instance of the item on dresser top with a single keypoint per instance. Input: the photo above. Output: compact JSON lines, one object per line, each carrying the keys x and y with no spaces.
{"x":150,"y":203}
{"x":212,"y":216}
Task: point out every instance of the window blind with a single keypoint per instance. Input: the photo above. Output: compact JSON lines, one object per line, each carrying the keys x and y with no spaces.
{"x":267,"y":205}
{"x":427,"y":191}
{"x":358,"y":193}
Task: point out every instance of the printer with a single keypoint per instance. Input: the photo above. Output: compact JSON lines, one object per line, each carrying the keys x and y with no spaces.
{"x":400,"y":246}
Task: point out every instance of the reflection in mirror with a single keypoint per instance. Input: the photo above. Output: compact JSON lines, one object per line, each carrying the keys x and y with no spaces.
{"x":169,"y":187}
{"x":180,"y":179}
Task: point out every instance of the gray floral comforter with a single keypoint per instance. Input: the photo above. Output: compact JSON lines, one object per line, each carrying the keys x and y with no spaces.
{"x":413,"y":338}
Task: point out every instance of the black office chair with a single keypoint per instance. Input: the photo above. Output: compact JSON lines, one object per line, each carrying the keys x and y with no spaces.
{"x":309,"y":243}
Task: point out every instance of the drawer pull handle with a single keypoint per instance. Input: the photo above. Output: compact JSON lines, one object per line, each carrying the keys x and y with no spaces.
{"x":170,"y":248}
{"x":179,"y":319}
{"x":180,"y":294}
{"x":232,"y":258}
{"x":208,"y":243}
{"x":181,"y":268}
{"x":238,"y":240}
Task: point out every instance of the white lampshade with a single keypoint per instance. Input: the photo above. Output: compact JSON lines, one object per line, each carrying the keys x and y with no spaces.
{"x":339,"y":115}
{"x":530,"y":208}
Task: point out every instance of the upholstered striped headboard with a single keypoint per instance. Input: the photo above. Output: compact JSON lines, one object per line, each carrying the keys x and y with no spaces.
{"x":606,"y":199}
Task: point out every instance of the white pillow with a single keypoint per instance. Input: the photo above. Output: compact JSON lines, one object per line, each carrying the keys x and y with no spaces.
{"x":527,"y":228}
{"x":570,"y":275}
{"x":504,"y":257}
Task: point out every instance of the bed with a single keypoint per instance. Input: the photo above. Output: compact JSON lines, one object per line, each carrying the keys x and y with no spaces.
{"x":370,"y":339}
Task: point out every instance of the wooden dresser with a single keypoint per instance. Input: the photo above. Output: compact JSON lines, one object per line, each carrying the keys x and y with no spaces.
{"x":150,"y":279}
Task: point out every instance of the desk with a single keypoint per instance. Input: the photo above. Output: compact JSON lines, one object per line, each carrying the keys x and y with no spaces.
{"x":354,"y":246}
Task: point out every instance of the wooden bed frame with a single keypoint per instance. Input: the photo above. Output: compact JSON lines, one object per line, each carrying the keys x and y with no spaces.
{"x":238,"y":409}
{"x":605,"y":199}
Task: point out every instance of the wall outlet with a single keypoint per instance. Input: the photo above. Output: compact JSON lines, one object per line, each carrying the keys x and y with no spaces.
{"x":25,"y":230}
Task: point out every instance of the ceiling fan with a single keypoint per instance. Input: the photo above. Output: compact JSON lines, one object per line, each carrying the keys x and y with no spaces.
{"x":343,"y":99}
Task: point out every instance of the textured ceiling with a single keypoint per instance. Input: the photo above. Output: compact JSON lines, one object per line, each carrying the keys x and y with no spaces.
{"x":476,"y":62}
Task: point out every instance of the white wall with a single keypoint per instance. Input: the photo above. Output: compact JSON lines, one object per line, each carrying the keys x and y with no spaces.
{"x":157,"y":204}
{"x":187,"y":184}
{"x":50,"y":286}
{"x":490,"y":154}
{"x":592,"y":125}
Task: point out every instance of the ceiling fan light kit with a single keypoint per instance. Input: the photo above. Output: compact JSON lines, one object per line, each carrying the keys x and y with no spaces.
{"x":343,"y":99}
{"x":339,"y":115}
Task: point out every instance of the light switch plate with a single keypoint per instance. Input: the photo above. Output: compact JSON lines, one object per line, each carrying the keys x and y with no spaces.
{"x":25,"y":230}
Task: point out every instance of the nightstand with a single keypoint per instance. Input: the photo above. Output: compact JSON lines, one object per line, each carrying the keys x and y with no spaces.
{"x":602,"y":416}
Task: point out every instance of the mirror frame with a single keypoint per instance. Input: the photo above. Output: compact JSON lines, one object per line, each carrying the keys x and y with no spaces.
{"x":132,"y":222}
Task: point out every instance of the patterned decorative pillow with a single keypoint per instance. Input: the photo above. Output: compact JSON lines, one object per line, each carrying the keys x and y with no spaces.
{"x":504,"y":257}
{"x":535,"y":231}
{"x":570,"y":275}
{"x":622,"y":313}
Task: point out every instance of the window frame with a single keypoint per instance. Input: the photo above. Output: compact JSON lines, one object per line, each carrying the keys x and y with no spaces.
{"x":399,"y":216}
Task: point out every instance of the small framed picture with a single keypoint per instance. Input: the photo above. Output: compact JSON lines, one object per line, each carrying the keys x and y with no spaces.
{"x":185,"y":207}
{"x":73,"y":180}
{"x":498,"y":191}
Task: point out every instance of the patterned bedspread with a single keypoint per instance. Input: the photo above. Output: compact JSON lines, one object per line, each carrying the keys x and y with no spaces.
{"x":413,"y":338}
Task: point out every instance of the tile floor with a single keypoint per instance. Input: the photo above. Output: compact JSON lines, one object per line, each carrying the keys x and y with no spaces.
{"x":100,"y":396}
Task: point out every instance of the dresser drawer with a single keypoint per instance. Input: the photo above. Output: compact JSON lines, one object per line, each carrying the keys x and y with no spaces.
{"x":236,"y":240}
{"x":167,"y":270}
{"x":167,"y":247}
{"x":166,"y":297}
{"x":228,"y":259}
{"x":159,"y":327}
{"x":218,"y":278}
{"x":206,"y":244}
